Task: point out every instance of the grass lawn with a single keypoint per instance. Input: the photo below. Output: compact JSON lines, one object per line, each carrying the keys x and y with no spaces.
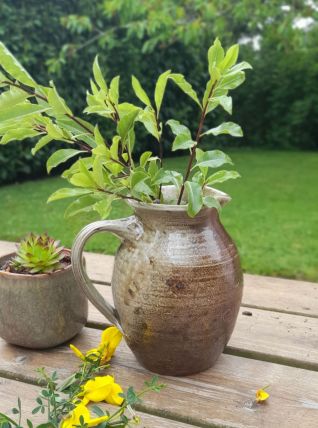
{"x":273,"y":216}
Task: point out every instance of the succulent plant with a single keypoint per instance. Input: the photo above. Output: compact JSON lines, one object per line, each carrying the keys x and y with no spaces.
{"x":38,"y":254}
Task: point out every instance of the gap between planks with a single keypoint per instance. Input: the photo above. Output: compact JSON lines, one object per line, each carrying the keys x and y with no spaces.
{"x":28,"y":394}
{"x":260,"y":292}
{"x":268,"y":336}
{"x":221,"y":396}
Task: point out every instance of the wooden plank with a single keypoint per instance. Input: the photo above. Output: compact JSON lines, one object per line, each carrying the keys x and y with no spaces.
{"x":262,"y":292}
{"x":10,"y":390}
{"x":278,"y":294}
{"x":221,"y":396}
{"x":269,"y":336}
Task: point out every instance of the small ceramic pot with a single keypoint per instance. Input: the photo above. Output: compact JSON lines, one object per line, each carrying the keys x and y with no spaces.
{"x":40,"y":311}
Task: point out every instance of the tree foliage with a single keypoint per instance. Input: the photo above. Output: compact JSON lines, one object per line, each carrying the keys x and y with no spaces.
{"x":277,"y":107}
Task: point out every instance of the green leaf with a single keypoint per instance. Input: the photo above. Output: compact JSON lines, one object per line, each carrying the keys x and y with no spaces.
{"x":211,"y":86}
{"x":241,"y":66}
{"x":177,"y":128}
{"x":144,"y":158}
{"x":160,"y":89}
{"x":12,"y":97}
{"x":61,"y":156}
{"x":211,"y":202}
{"x":194,"y":194}
{"x":99,"y":139}
{"x":57,"y":102}
{"x":114,"y":90}
{"x":98,"y":75}
{"x":21,"y":110}
{"x":138,"y":183}
{"x":148,"y":119}
{"x":229,"y":128}
{"x":126,"y":123}
{"x":46,"y":139}
{"x":224,"y":101}
{"x":215,"y":55}
{"x":12,"y":66}
{"x":54,"y":131}
{"x":67,"y":192}
{"x":230,"y":57}
{"x":82,"y":205}
{"x":104,"y":206}
{"x":18,"y":134}
{"x":221,"y":176}
{"x":211,"y":159}
{"x":182,"y":142}
{"x":180,"y":80}
{"x":140,"y":92}
{"x":232,"y":80}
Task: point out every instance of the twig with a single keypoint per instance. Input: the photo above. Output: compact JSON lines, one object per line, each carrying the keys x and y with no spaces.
{"x":197,"y":139}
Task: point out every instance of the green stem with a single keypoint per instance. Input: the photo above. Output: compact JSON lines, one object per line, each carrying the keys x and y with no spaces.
{"x":197,"y":140}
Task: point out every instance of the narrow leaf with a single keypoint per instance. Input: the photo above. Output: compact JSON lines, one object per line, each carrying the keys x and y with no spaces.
{"x":14,"y":68}
{"x":185,"y":86}
{"x":194,"y":194}
{"x":126,"y":123}
{"x":61,"y":156}
{"x":221,"y":176}
{"x":140,"y":92}
{"x":18,"y":134}
{"x":212,"y":159}
{"x":160,"y":89}
{"x":21,"y":110}
{"x":177,"y":128}
{"x":67,"y":192}
{"x":98,"y":75}
{"x":230,"y":57}
{"x":57,"y":102}
{"x":232,"y":80}
{"x":229,"y":128}
{"x":182,"y":142}
{"x":215,"y":55}
{"x":114,"y":90}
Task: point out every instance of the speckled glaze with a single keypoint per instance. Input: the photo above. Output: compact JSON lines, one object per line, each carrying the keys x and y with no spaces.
{"x":177,"y":287}
{"x":40,"y":311}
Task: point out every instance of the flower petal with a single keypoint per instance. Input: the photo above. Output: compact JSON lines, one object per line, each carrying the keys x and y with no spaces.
{"x":77,"y":352}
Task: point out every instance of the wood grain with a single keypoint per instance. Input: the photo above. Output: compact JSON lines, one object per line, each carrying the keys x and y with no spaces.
{"x":262,"y":292}
{"x":269,"y":336}
{"x":10,"y":390}
{"x":221,"y":396}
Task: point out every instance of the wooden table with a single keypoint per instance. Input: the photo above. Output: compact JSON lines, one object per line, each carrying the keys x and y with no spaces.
{"x":275,"y":343}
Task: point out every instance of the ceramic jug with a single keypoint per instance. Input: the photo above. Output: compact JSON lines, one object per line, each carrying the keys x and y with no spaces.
{"x":177,"y":284}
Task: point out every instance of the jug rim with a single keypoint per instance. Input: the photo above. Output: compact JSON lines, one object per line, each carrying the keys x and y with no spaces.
{"x":170,"y":192}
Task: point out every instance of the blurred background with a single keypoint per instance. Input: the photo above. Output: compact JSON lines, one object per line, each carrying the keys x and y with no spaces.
{"x":274,"y":213}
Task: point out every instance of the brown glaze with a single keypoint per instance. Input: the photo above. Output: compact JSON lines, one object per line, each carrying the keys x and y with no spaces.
{"x":177,"y":283}
{"x":178,"y":290}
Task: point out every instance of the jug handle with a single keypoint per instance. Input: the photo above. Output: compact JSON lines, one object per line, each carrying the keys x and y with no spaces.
{"x":128,"y":228}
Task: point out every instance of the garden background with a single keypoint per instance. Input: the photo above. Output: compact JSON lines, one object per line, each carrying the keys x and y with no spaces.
{"x":273,"y":216}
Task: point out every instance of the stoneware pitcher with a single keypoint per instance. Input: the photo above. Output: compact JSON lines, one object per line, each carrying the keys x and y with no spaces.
{"x":177,"y":284}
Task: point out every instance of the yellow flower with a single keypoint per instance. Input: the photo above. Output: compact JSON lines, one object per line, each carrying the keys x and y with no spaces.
{"x":102,"y":388}
{"x":77,"y":352}
{"x":110,"y":339}
{"x":261,"y":395}
{"x":73,"y":418}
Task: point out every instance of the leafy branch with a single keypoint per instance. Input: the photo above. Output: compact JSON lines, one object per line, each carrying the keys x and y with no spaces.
{"x":103,"y":171}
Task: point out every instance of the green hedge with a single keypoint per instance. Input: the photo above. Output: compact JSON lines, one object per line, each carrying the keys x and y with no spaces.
{"x":276,"y":107}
